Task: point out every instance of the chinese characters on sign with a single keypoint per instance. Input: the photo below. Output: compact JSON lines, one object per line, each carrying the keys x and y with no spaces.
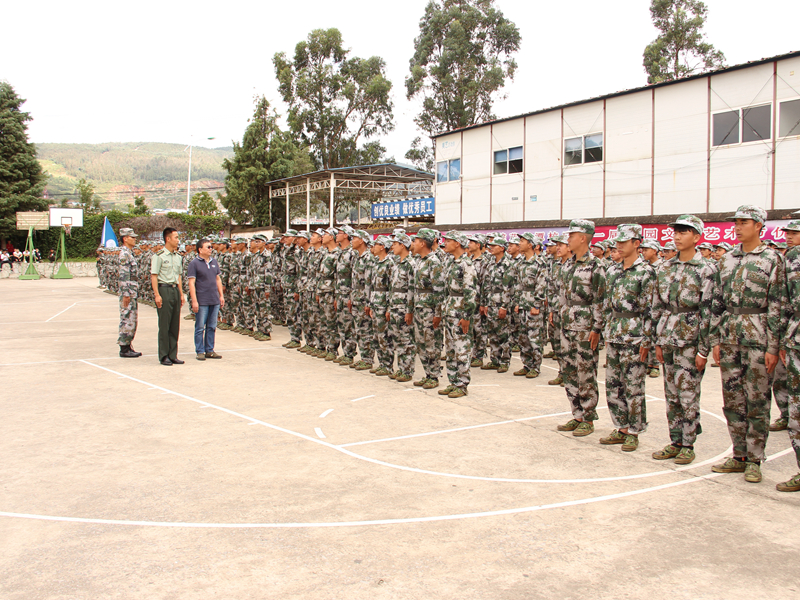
{"x":419,"y":207}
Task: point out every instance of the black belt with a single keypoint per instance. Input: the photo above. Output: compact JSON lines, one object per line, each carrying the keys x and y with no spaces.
{"x":570,"y":303}
{"x":400,"y":290}
{"x":625,"y":315}
{"x":456,"y":294}
{"x":746,"y":311}
{"x":425,"y":290}
{"x":380,"y":289}
{"x":682,"y":309}
{"x":172,"y":285}
{"x":529,"y":289}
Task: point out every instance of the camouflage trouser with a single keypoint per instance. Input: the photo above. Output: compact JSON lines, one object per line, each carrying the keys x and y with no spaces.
{"x":479,"y":336}
{"x":310,"y":318}
{"x":458,"y":349}
{"x":793,"y":384}
{"x":364,"y":333}
{"x":327,"y":323}
{"x":227,"y":312}
{"x":276,"y":304}
{"x":402,"y":340}
{"x":625,"y":375}
{"x":780,"y":390}
{"x":531,"y":340}
{"x":128,"y":321}
{"x":240,"y":307}
{"x":746,"y":399}
{"x":346,"y":327}
{"x":682,"y":393}
{"x":263,"y":320}
{"x":383,"y":340}
{"x":497,"y":336}
{"x":429,"y":342}
{"x":554,"y":332}
{"x":579,"y":370}
{"x":293,"y":317}
{"x":515,"y":328}
{"x":250,"y":307}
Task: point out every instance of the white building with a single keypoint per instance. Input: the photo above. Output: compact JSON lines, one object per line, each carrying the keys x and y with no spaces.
{"x":702,"y":144}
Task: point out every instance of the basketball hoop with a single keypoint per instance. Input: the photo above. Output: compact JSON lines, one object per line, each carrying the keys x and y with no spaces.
{"x":68,"y":230}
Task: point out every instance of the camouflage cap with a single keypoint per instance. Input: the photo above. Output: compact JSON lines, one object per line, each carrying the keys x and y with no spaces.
{"x":384,"y":241}
{"x":402,"y":238}
{"x":705,"y":246}
{"x":428,"y":235}
{"x":560,"y":238}
{"x":532,"y":238}
{"x":240,"y":240}
{"x":581,"y":226}
{"x":670,"y":246}
{"x":397,"y":230}
{"x":689,"y":221}
{"x":628,"y":231}
{"x":319,"y":231}
{"x":475,"y":237}
{"x":792,"y":226}
{"x":304,"y":234}
{"x":652,"y":244}
{"x":332,"y":231}
{"x":749,"y":211}
{"x":597,"y":244}
{"x":497,"y":240}
{"x":724,"y":245}
{"x":348,"y":231}
{"x":127,"y":232}
{"x":290,"y":233}
{"x":457,"y":236}
{"x":781,"y":245}
{"x":260,"y":237}
{"x":513,"y":238}
{"x":768,"y":242}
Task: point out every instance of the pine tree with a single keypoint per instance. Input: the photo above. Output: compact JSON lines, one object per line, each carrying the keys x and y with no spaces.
{"x":22,"y":181}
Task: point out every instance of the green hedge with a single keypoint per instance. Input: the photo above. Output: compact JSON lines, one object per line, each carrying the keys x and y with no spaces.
{"x":84,"y":240}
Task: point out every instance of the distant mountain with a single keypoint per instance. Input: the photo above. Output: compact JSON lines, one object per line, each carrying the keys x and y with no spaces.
{"x":120,"y":171}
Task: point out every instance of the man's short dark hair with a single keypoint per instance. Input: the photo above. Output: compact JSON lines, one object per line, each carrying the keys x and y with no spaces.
{"x":201,"y":242}
{"x":428,"y":243}
{"x":168,"y":232}
{"x":685,"y":228}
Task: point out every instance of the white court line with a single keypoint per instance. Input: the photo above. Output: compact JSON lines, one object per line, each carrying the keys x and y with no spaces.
{"x":326,"y":413}
{"x":61,"y":313}
{"x":491,"y":513}
{"x":319,"y":433}
{"x":414,"y":469}
{"x":363,"y":398}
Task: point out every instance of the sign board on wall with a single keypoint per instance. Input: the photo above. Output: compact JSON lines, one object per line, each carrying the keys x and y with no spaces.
{"x":419,"y":207}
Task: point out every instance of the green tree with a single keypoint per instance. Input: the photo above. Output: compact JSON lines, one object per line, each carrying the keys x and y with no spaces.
{"x":420,"y":155}
{"x":462,"y":58}
{"x":86,"y":198}
{"x":335,"y":102}
{"x":139,"y":207}
{"x":680,"y":49}
{"x":265,"y":154}
{"x":203,"y":204}
{"x":22,"y":180}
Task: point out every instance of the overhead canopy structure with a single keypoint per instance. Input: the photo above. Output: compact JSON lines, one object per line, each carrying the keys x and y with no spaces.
{"x":367,"y":182}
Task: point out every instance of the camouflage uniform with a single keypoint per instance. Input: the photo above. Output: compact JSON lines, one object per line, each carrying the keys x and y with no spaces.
{"x":379,"y":295}
{"x":362,"y":272}
{"x":401,"y":304}
{"x":628,"y":327}
{"x":481,"y":266}
{"x":325,"y":294}
{"x":128,"y":288}
{"x":581,"y":293}
{"x":234,"y":288}
{"x":553,"y":299}
{"x":249,"y":302}
{"x":289,"y":287}
{"x":314,"y":333}
{"x":345,"y":322}
{"x":497,"y":293}
{"x":427,"y":290}
{"x":530,"y":294}
{"x":746,"y":322}
{"x":276,"y":298}
{"x":681,"y":313}
{"x":261,"y":280}
{"x":460,"y":302}
{"x":791,"y":344}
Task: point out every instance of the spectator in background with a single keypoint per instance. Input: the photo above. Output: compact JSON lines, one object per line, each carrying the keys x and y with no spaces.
{"x":52,"y":255}
{"x":5,"y":258}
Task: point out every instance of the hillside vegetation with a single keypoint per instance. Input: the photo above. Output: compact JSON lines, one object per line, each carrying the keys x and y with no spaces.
{"x":120,"y":171}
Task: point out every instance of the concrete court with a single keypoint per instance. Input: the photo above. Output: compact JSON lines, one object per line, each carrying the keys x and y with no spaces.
{"x":122,"y":478}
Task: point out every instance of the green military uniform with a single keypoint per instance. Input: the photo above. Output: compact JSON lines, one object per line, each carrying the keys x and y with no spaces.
{"x":168,"y":266}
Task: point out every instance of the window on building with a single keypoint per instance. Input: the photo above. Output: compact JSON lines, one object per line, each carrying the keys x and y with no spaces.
{"x":448,"y":170}
{"x":585,"y":149}
{"x":790,"y":118}
{"x":508,"y":161}
{"x":750,"y":124}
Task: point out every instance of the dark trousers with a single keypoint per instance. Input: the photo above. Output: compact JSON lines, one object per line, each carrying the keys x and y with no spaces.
{"x":169,"y":322}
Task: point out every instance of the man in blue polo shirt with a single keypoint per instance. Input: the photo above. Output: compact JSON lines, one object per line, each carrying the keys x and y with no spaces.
{"x":205,"y":289}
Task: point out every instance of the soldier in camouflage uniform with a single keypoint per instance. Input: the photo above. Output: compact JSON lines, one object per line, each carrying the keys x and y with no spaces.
{"x":326,"y":288}
{"x":481,"y":261}
{"x":496,"y":304}
{"x":582,"y":290}
{"x":780,"y":385}
{"x":401,"y":308}
{"x":650,"y":253}
{"x":261,"y":281}
{"x":128,"y":295}
{"x":746,"y":329}
{"x":303,"y":245}
{"x":362,"y":272}
{"x":460,"y":308}
{"x":790,"y":346}
{"x":224,"y":260}
{"x":311,"y":306}
{"x":549,"y":260}
{"x":514,"y":323}
{"x":628,"y":334}
{"x":427,"y":291}
{"x":345,"y":322}
{"x":529,"y":303}
{"x":379,"y":293}
{"x":561,"y":255}
{"x":682,"y":314}
{"x":291,"y":297}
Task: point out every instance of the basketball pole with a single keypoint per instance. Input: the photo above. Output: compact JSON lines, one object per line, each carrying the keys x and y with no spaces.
{"x":30,"y":271}
{"x":63,"y":271}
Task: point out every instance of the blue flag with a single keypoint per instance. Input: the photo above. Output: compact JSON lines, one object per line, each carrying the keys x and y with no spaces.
{"x":109,"y":238}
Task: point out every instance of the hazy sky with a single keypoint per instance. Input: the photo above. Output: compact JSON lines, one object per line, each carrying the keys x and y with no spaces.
{"x":171,"y":71}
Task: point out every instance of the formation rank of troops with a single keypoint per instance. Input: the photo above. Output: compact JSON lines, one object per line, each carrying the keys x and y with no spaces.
{"x":469,"y":299}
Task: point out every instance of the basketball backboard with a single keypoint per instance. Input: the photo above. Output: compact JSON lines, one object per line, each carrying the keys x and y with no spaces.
{"x":59,"y":217}
{"x":37,"y":220}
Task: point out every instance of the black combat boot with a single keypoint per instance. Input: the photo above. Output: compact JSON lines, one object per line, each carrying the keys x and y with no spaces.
{"x":127,"y":352}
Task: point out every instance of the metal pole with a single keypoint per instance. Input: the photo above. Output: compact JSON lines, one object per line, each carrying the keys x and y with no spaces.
{"x":189,"y":181}
{"x":333,"y":187}
{"x":288,"y":221}
{"x":308,"y":204}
